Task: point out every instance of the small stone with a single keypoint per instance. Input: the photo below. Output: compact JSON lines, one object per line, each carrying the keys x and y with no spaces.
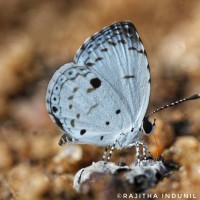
{"x":149,"y":169}
{"x":28,"y":182}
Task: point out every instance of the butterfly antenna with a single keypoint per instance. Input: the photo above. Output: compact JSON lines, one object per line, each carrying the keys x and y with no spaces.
{"x":193,"y":97}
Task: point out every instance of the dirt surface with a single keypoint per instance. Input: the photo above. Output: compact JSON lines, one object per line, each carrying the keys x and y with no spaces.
{"x":37,"y":37}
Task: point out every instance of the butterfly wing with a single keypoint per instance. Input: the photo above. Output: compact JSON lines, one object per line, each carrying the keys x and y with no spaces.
{"x":85,"y":106}
{"x":105,"y":91}
{"x":116,"y":53}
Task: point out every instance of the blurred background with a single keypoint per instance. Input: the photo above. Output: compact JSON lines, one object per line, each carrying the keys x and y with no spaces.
{"x":37,"y":37}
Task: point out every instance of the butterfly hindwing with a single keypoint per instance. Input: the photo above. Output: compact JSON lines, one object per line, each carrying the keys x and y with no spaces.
{"x":80,"y":103}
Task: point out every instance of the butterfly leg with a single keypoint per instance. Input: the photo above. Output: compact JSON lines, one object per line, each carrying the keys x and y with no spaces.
{"x":145,"y":149}
{"x":104,"y":154}
{"x":144,"y":152}
{"x":111,"y":151}
{"x":137,"y":148}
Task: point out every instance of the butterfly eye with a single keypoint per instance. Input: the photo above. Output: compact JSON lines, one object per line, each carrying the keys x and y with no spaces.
{"x":147,"y":126}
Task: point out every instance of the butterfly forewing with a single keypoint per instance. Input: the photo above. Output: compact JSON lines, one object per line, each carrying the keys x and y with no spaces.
{"x":116,"y":53}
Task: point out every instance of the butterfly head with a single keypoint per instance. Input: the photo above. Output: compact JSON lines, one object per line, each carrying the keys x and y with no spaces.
{"x":147,"y":126}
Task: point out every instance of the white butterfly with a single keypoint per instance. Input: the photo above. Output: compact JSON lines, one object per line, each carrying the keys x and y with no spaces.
{"x":101,"y":97}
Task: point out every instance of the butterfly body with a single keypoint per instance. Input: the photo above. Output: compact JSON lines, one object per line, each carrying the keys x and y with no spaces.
{"x":101,"y":97}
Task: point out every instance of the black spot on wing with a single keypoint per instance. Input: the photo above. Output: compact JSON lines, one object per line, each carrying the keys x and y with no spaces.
{"x":92,"y":107}
{"x":132,"y":129}
{"x":78,"y":116}
{"x":56,"y":88}
{"x":75,"y":89}
{"x":72,"y":122}
{"x":83,"y":131}
{"x":90,"y":44}
{"x":128,"y":30}
{"x":129,"y":76}
{"x":70,"y":72}
{"x":104,"y":50}
{"x":90,"y":90}
{"x":89,"y":64}
{"x":132,"y":48}
{"x":70,"y":97}
{"x":95,"y":82}
{"x":118,"y":111}
{"x":55,"y":109}
{"x":111,"y":43}
{"x":122,"y":41}
{"x":83,"y":47}
{"x":98,"y":59}
{"x":141,"y":51}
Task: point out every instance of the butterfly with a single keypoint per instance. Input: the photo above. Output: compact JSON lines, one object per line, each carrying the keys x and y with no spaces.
{"x":101,"y":97}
